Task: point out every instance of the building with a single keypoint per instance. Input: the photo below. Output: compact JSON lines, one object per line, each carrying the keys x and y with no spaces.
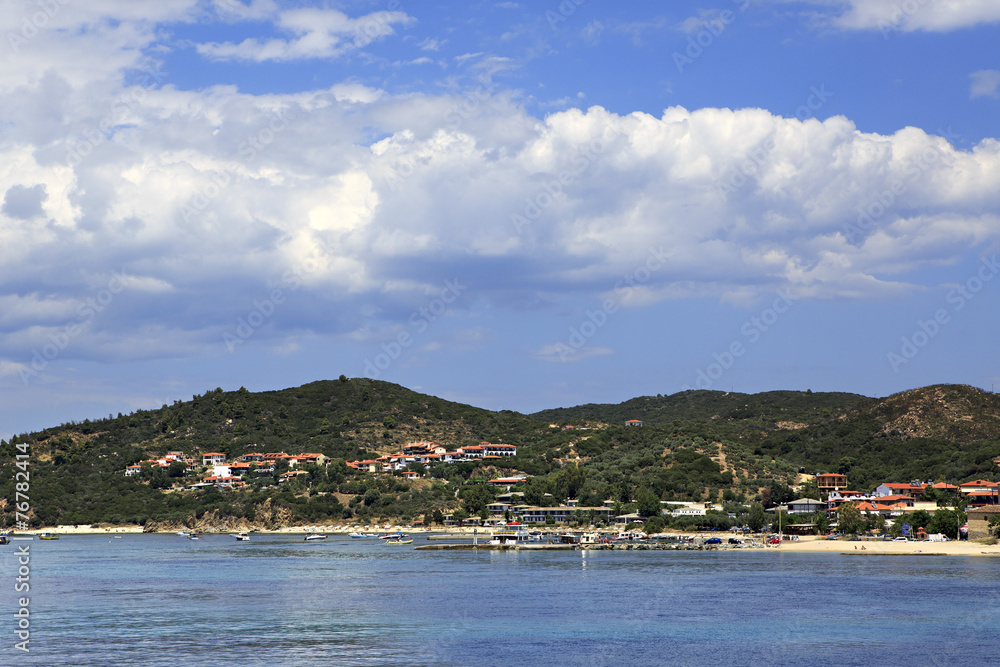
{"x":830,"y":481}
{"x":979,"y":520}
{"x":213,"y":459}
{"x":805,"y":506}
{"x":490,"y":449}
{"x":912,"y":489}
{"x":633,"y":422}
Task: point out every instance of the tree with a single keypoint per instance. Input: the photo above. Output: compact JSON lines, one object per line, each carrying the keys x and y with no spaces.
{"x":821,"y":522}
{"x":647,"y":503}
{"x":757,"y":517}
{"x":849,"y":519}
{"x":944,"y":521}
{"x":437,"y":517}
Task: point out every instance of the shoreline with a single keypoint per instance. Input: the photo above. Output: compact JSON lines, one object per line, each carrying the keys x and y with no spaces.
{"x":806,"y":544}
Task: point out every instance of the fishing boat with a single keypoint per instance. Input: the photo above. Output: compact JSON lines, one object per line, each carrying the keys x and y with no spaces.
{"x":242,"y":537}
{"x":48,"y":536}
{"x":318,"y":536}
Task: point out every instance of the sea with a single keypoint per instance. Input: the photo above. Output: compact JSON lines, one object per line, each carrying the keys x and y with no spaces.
{"x":278,"y":600}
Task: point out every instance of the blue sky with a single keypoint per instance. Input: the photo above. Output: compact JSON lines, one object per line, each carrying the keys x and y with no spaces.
{"x":514,"y":205}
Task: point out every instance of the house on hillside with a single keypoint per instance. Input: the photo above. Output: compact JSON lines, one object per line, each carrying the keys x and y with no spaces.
{"x":213,"y":459}
{"x":830,"y":481}
{"x":913,"y":489}
{"x":633,"y":422}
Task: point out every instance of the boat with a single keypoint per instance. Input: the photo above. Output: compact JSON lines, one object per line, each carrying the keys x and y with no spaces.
{"x":182,"y":533}
{"x":390,"y":536}
{"x":242,"y":537}
{"x":358,"y":536}
{"x":194,"y":536}
{"x":399,"y":540}
{"x":48,"y":536}
{"x":513,"y":533}
{"x":3,"y":539}
{"x":318,"y":536}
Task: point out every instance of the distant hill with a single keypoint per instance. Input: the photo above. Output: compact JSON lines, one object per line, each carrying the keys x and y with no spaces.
{"x":938,"y":433}
{"x":767,"y":408}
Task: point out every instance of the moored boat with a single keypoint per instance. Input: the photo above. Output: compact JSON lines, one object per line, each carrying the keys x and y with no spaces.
{"x":48,"y":536}
{"x":242,"y":537}
{"x":399,"y":540}
{"x":319,"y":536}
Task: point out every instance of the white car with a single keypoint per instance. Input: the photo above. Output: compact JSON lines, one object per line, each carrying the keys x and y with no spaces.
{"x":900,"y":539}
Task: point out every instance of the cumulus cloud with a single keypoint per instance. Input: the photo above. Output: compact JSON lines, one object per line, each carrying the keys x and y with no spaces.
{"x":319,"y":33}
{"x":326,"y":210}
{"x":985,"y":83}
{"x":916,"y":15}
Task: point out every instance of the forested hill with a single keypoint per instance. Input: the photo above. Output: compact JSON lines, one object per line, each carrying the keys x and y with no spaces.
{"x":767,"y":408}
{"x":695,"y":445}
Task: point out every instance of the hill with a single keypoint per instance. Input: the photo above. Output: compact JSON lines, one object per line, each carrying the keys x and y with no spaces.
{"x":767,"y":408}
{"x":694,"y":446}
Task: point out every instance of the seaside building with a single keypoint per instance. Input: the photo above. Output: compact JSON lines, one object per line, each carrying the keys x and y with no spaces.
{"x":830,"y":481}
{"x":979,"y":520}
{"x":633,"y":422}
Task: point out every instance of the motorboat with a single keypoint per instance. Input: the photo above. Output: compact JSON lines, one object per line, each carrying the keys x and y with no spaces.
{"x":48,"y":536}
{"x":242,"y":537}
{"x":402,"y":539}
{"x":318,"y":536}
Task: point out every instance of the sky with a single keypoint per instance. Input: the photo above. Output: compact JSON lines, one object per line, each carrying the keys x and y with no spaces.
{"x":509,"y":204}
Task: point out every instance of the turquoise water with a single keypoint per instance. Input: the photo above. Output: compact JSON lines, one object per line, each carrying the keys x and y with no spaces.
{"x":166,"y":600}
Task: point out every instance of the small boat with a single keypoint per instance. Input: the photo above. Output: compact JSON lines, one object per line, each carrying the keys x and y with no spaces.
{"x":359,"y":536}
{"x":319,"y":536}
{"x":392,"y":536}
{"x":194,"y":536}
{"x":242,"y":537}
{"x":399,"y":540}
{"x":3,"y":539}
{"x":48,"y":536}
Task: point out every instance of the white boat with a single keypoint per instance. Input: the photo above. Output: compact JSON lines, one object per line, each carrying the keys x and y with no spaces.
{"x":182,"y":533}
{"x":358,"y":536}
{"x":392,"y":536}
{"x":242,"y":537}
{"x":318,"y":536}
{"x":513,"y":533}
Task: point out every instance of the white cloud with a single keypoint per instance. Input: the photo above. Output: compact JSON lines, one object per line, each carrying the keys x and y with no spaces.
{"x":320,"y":33}
{"x":208,"y":201}
{"x":985,"y":83}
{"x":889,"y":16}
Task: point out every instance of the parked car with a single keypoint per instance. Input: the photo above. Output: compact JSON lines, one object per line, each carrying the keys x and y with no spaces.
{"x":774,"y":540}
{"x":713,"y":540}
{"x":901,"y":539}
{"x":735,"y":540}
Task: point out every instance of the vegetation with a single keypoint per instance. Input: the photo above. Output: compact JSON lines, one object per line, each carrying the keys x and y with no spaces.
{"x":738,"y":450}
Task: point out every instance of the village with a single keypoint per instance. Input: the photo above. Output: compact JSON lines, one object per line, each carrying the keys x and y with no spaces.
{"x":891,"y":501}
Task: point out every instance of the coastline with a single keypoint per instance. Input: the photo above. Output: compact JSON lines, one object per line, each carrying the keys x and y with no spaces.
{"x":807,"y":544}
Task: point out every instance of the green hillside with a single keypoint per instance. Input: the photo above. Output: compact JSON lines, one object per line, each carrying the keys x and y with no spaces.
{"x":696,"y":445}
